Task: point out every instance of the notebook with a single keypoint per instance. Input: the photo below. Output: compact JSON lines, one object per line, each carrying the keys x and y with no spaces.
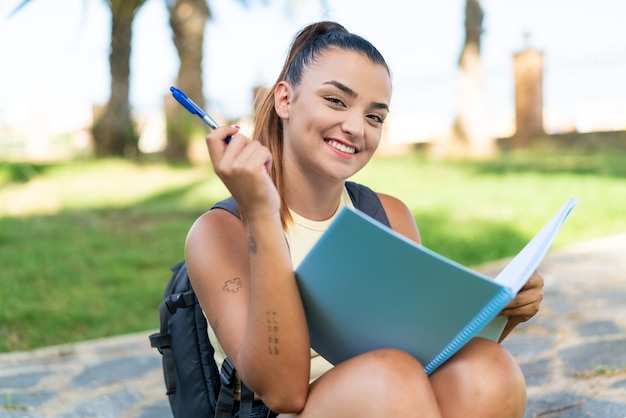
{"x":365,"y":287}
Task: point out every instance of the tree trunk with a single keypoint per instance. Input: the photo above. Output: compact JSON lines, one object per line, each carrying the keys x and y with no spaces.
{"x":114,"y":131}
{"x":188,"y":20}
{"x":472,"y":124}
{"x":470,"y":136}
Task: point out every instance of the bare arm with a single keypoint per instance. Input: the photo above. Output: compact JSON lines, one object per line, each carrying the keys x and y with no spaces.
{"x":244,"y":279}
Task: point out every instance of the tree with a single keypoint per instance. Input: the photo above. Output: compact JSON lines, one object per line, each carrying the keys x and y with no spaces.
{"x":114,"y":131}
{"x":188,"y":20}
{"x":470,"y":136}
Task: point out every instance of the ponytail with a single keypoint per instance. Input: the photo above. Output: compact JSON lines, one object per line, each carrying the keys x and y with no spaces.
{"x":306,"y":47}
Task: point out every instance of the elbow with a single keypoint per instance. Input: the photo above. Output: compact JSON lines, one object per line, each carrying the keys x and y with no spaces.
{"x":283,"y":386}
{"x":287,"y":399}
{"x":284,"y":405}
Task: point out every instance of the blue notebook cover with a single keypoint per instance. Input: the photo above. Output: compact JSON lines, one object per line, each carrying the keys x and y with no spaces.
{"x":365,"y":287}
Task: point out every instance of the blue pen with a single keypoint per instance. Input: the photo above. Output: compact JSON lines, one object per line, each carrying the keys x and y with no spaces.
{"x":194,"y":109}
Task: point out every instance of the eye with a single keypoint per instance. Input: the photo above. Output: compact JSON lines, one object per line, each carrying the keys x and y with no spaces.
{"x":335,"y":101}
{"x":377,"y":119}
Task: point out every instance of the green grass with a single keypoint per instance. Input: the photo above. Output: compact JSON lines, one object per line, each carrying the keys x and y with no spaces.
{"x":86,"y":247}
{"x":475,"y":212}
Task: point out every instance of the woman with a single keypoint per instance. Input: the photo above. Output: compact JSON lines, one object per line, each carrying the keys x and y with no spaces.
{"x":320,"y":125}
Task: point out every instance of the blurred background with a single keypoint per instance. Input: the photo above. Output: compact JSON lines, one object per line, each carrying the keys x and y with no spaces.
{"x":73,"y":69}
{"x":502,"y":110}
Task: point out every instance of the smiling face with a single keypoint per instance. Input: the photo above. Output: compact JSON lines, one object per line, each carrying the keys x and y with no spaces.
{"x":333,"y":119}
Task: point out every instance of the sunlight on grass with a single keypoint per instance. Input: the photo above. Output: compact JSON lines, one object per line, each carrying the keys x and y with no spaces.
{"x":452,"y":200}
{"x":87,"y":246}
{"x":109,"y":183}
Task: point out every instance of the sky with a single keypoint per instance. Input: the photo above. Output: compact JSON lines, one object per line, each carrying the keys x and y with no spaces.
{"x":54,"y":54}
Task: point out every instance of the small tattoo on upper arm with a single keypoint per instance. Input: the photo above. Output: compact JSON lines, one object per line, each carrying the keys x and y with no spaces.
{"x":251,"y":244}
{"x":271,"y":323}
{"x":232,"y":285}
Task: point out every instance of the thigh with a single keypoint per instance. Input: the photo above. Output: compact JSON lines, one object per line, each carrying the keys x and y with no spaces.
{"x":384,"y":382}
{"x":482,"y":379}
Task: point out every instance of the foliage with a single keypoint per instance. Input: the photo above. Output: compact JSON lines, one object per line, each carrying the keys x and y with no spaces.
{"x":86,"y":246}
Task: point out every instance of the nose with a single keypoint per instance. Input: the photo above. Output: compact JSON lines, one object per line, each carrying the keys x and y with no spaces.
{"x":354,"y":124}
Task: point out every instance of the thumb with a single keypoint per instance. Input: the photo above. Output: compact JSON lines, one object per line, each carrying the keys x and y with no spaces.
{"x":218,"y":139}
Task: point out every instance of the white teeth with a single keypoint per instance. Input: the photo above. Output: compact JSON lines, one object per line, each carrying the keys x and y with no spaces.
{"x":341,"y":147}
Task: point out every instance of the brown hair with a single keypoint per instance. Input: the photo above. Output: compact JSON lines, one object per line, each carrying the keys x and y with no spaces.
{"x":308,"y":44}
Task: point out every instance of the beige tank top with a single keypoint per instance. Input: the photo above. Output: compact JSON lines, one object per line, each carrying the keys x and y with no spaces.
{"x":301,"y":235}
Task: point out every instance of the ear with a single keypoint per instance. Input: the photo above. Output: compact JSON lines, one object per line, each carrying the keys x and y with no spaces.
{"x":282,"y":99}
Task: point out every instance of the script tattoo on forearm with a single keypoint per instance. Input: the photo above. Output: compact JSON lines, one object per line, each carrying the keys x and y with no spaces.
{"x":271,"y":323}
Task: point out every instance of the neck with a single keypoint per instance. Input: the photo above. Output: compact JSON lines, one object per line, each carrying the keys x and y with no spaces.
{"x":313,"y":200}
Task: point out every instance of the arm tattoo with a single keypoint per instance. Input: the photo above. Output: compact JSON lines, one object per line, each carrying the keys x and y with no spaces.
{"x":271,"y":323}
{"x":251,"y":244}
{"x":232,"y":285}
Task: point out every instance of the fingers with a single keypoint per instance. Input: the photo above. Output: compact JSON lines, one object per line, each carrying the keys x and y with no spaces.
{"x":242,"y":158}
{"x":527,"y":297}
{"x":216,"y":141}
{"x":522,"y":313}
{"x":536,"y":280}
{"x":527,"y":302}
{"x":243,"y":166}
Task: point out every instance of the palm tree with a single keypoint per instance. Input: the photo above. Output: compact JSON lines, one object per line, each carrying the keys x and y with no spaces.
{"x":188,"y":20}
{"x":114,"y":131}
{"x":470,"y":136}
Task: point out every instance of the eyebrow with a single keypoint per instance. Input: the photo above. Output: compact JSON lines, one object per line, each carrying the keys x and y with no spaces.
{"x":353,"y":94}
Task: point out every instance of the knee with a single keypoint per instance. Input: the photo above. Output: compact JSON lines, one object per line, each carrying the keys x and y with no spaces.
{"x":384,"y":382}
{"x":502,"y":369}
{"x":489,"y":369}
{"x":392,"y":371}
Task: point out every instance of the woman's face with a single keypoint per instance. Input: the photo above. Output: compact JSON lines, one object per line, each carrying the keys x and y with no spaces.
{"x":333,"y":120}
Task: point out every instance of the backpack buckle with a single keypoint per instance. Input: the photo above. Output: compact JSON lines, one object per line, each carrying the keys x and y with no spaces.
{"x":227,"y":373}
{"x":179,"y":300}
{"x":160,"y":341}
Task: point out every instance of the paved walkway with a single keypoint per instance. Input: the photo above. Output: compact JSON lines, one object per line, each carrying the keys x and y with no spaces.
{"x":573,"y":353}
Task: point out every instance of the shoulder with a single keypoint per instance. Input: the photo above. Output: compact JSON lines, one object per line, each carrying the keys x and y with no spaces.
{"x":222,"y":217}
{"x":400,"y":217}
{"x":216,"y":235}
{"x":214,"y":225}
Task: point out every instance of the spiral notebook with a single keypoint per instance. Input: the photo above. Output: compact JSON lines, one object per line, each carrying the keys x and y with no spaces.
{"x":364,"y":287}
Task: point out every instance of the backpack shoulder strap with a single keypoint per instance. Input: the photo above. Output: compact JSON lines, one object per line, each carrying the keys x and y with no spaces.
{"x":173,"y":299}
{"x":367,"y":201}
{"x":228,"y":204}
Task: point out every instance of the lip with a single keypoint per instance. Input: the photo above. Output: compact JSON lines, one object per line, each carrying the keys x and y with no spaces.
{"x":341,"y":143}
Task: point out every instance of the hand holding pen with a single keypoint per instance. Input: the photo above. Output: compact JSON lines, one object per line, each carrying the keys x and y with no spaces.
{"x":194,"y":109}
{"x":255,"y":156}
